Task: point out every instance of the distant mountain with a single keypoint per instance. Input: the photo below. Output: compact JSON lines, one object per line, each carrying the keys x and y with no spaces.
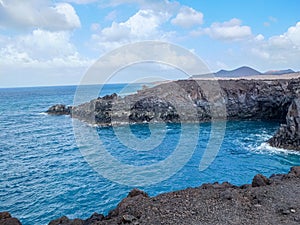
{"x":243,"y":72}
{"x":279,"y":72}
{"x":239,"y":72}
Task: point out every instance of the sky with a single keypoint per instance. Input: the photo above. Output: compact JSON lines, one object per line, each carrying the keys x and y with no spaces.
{"x":44,"y":42}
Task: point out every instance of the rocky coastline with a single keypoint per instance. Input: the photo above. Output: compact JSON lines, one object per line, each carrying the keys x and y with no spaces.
{"x":273,"y":200}
{"x":169,"y":102}
{"x":199,"y":101}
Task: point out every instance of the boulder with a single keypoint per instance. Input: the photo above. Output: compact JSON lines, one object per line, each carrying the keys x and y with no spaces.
{"x":260,"y":180}
{"x":7,"y":219}
{"x":59,"y":109}
{"x":66,"y":221}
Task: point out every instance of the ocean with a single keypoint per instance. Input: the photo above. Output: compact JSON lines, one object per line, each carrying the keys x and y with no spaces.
{"x":44,"y":174}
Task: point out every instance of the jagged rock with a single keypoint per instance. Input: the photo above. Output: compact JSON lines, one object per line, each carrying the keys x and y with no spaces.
{"x":59,"y":109}
{"x":186,"y":101}
{"x":136,"y":192}
{"x":66,"y":221}
{"x":128,"y":218}
{"x":7,"y":219}
{"x":94,"y":219}
{"x":288,"y":135}
{"x":263,"y":202}
{"x":260,"y":180}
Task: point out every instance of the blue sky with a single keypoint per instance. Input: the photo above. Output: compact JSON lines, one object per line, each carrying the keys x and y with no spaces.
{"x":44,"y":42}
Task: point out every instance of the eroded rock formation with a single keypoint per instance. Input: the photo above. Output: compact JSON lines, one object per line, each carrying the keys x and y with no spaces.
{"x":191,"y":101}
{"x":288,"y":135}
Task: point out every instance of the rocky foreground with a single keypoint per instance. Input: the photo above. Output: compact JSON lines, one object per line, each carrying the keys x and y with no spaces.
{"x":273,"y":200}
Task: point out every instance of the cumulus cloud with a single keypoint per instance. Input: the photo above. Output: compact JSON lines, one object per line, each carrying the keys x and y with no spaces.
{"x":38,"y":14}
{"x":187,"y":17}
{"x":144,"y":25}
{"x":40,"y":49}
{"x":281,"y":49}
{"x":228,"y":30}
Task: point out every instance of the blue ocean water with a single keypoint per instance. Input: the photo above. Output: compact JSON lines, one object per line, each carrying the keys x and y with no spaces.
{"x":45,"y":176}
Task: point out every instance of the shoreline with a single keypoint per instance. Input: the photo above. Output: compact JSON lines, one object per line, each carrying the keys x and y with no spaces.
{"x":273,"y":200}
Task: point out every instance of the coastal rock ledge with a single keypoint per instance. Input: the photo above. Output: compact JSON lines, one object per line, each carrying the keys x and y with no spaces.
{"x":273,"y":200}
{"x":190,"y":101}
{"x":187,"y":101}
{"x":288,"y":135}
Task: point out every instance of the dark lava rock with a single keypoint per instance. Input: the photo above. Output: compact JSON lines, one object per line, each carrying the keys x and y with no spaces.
{"x":94,"y":219}
{"x":136,"y":192}
{"x":128,"y":218}
{"x":59,"y":109}
{"x":66,"y":221}
{"x":188,"y":101}
{"x":7,"y":219}
{"x":263,"y":202}
{"x":260,"y":180}
{"x":288,"y":135}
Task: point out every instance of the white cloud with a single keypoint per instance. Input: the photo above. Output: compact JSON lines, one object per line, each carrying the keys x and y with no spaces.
{"x":259,"y":37}
{"x":277,"y":52}
{"x":40,"y":58}
{"x":41,"y":49}
{"x":228,"y":30}
{"x":144,"y":25}
{"x":38,"y":14}
{"x":187,"y":17}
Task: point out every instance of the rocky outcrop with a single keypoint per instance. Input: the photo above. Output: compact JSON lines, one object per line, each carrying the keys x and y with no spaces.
{"x":187,"y":101}
{"x":288,"y":135}
{"x":7,"y":219}
{"x":273,"y":200}
{"x":59,"y":109}
{"x":94,"y":219}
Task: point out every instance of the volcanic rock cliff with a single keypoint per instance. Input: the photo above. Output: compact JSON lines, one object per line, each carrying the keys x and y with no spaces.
{"x":179,"y":100}
{"x":197,"y":101}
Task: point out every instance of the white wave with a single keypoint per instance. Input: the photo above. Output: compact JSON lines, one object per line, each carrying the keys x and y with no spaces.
{"x":43,"y":113}
{"x":266,"y":147}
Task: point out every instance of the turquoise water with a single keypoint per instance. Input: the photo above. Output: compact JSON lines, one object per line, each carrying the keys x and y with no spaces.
{"x":45,"y":176}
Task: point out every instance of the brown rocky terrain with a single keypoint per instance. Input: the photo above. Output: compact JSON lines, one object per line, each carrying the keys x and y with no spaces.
{"x":273,"y":200}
